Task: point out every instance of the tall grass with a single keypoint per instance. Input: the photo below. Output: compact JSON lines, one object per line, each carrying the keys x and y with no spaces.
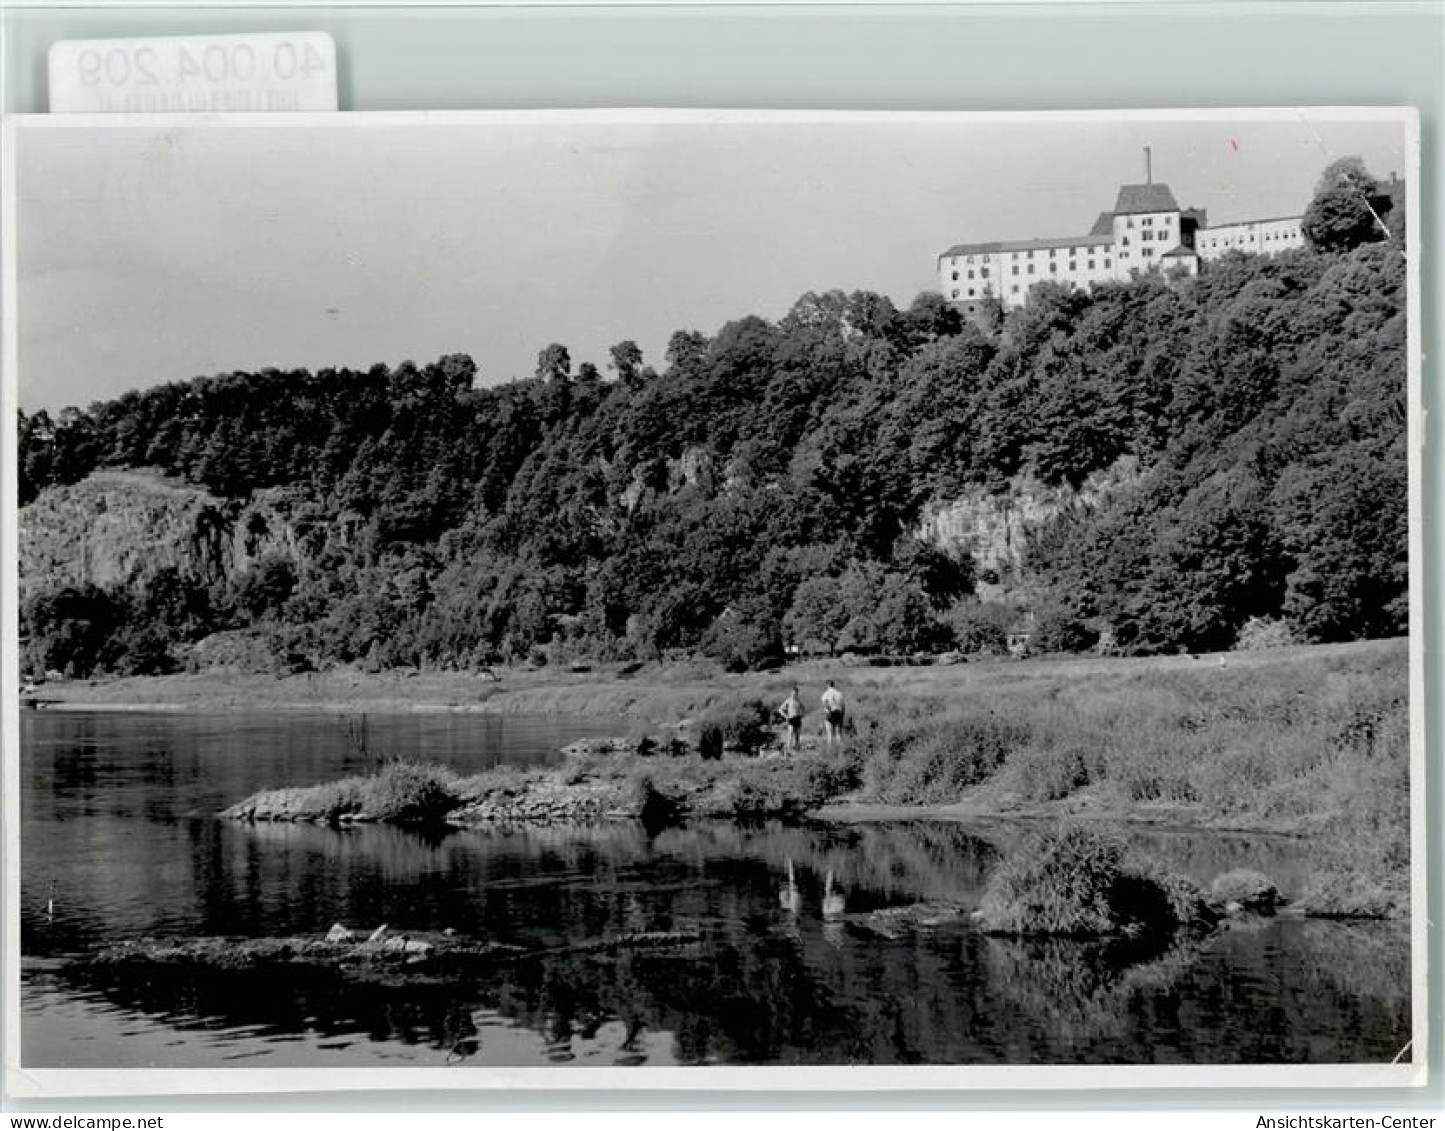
{"x":1292,"y":745}
{"x":922,"y":759}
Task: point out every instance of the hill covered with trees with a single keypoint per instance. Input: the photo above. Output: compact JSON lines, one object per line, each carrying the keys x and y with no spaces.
{"x":766,"y":484}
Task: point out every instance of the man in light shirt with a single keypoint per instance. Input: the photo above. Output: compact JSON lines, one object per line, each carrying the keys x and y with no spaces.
{"x":832,"y":714}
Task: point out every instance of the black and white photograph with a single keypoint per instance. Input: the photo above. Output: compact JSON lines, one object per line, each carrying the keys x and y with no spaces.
{"x":867,"y":598}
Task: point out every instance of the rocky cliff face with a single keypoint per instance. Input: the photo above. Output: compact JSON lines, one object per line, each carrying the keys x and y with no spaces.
{"x":117,"y":527}
{"x":994,"y":528}
{"x":695,"y":467}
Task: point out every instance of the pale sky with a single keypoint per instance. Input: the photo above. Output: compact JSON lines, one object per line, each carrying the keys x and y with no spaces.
{"x":152,"y":254}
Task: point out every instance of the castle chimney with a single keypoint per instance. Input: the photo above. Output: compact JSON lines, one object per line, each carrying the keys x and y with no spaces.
{"x":1148,"y":166}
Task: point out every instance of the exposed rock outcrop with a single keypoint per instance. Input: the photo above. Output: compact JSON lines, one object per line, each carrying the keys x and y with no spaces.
{"x":119,"y":527}
{"x":994,"y":528}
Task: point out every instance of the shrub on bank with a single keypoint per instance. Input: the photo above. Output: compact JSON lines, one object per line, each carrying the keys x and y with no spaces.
{"x":1264,"y":632}
{"x":1078,"y":882}
{"x":409,"y":793}
{"x":734,"y":724}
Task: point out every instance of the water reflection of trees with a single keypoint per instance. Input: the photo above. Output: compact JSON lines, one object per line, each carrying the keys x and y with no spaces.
{"x":276,"y":1004}
{"x":754,"y":994}
{"x":768,"y":985}
{"x":557,"y":885}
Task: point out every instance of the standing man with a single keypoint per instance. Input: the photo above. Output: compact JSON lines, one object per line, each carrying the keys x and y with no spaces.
{"x":791,"y":712}
{"x":832,"y":714}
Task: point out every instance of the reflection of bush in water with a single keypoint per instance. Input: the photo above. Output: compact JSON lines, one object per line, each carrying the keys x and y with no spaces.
{"x":1266,"y":991}
{"x":1070,"y":990}
{"x":1333,"y":990}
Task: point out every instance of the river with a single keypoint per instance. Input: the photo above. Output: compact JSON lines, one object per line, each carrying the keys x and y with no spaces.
{"x":120,"y":840}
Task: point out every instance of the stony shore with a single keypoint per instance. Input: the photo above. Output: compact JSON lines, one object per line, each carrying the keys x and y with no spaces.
{"x":599,"y":780}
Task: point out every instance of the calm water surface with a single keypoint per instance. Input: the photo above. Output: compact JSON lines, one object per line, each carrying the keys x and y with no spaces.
{"x":118,"y":829}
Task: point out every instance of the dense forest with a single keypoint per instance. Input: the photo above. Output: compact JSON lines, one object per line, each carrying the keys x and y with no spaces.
{"x":764,"y":485}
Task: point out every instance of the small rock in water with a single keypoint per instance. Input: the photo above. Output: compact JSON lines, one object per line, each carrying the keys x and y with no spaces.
{"x":378,"y":934}
{"x":418,"y":946}
{"x":338,"y":933}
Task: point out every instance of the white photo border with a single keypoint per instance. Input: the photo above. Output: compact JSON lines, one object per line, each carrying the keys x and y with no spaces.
{"x":1410,"y":1070}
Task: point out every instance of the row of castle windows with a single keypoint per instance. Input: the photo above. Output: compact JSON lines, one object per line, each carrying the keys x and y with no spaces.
{"x":1091,"y":265}
{"x":1251,"y":235}
{"x":1160,"y":236}
{"x":1053,"y":268}
{"x":1053,"y":254}
{"x":1014,"y":288}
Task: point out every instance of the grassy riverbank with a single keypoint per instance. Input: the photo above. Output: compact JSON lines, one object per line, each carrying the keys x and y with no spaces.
{"x":664,"y":692}
{"x":1305,"y":741}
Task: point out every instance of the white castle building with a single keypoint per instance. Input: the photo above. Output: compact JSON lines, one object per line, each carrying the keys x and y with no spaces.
{"x":1146,"y":231}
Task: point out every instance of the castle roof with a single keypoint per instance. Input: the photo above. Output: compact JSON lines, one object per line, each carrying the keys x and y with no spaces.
{"x":1250,"y":223}
{"x":1179,"y":251}
{"x":1027,"y":245}
{"x":1104,"y":225}
{"x":1144,"y":198}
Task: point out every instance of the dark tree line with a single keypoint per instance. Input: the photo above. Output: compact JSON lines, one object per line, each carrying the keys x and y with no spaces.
{"x":765,"y":485}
